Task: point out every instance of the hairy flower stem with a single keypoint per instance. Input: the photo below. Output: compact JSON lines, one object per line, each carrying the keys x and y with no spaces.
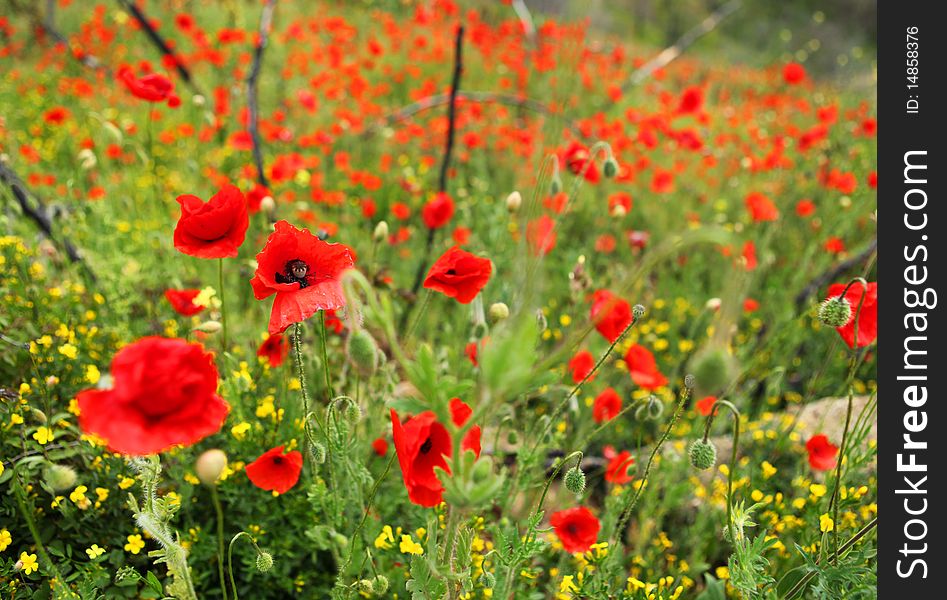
{"x":233,"y":540}
{"x":325,"y":356}
{"x":215,"y":497}
{"x":732,"y":467}
{"x":223,"y":304}
{"x":304,"y":390}
{"x":578,"y":463}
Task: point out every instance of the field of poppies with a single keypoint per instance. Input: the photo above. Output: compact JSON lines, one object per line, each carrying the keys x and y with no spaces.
{"x":429,"y":299}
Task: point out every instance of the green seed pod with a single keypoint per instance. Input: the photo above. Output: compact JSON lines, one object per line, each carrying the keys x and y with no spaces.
{"x":59,"y":477}
{"x":575,"y":480}
{"x":264,"y":561}
{"x":610,"y":168}
{"x":381,"y":584}
{"x":702,"y":454}
{"x":362,"y":352}
{"x":835,"y":312}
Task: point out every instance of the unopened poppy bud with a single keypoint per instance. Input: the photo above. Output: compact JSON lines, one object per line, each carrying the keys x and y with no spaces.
{"x":318,"y":452}
{"x":482,"y":470}
{"x":712,"y":304}
{"x":702,"y":454}
{"x":209,"y":327}
{"x":514,"y":201}
{"x":610,"y":168}
{"x":362,"y":352}
{"x":381,"y":584}
{"x":651,"y":410}
{"x":18,"y":566}
{"x":267,"y":204}
{"x":619,"y":211}
{"x":339,"y":539}
{"x":512,"y":438}
{"x":264,"y":561}
{"x":637,"y":311}
{"x":353,"y":413}
{"x":87,"y":159}
{"x":575,"y":480}
{"x":541,"y":319}
{"x":498,"y":311}
{"x":381,"y":231}
{"x":835,"y":312}
{"x":689,"y":381}
{"x":713,"y":369}
{"x":365,"y":586}
{"x":210,"y":466}
{"x":198,"y":100}
{"x":489,"y":580}
{"x":555,"y":186}
{"x":39,"y":415}
{"x":59,"y":477}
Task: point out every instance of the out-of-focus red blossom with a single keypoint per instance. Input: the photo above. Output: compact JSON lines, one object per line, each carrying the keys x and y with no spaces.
{"x":794,"y":73}
{"x":182,"y":301}
{"x":610,"y":314}
{"x":761,"y":207}
{"x":834,"y":245}
{"x":579,"y":162}
{"x":750,"y":305}
{"x":275,"y":471}
{"x":704,"y":405}
{"x":438,"y":211}
{"x":873,"y":180}
{"x":56,"y":115}
{"x":541,"y":235}
{"x":643,"y":368}
{"x":577,"y":528}
{"x":459,"y":274}
{"x":214,"y":229}
{"x":470,"y":351}
{"x":616,"y":471}
{"x":303,"y":271}
{"x":749,"y":255}
{"x":805,"y":208}
{"x":606,"y":406}
{"x":255,"y":197}
{"x":380,"y":446}
{"x":822,"y":453}
{"x":164,"y":394}
{"x":691,"y":100}
{"x":274,"y":349}
{"x":867,"y":317}
{"x":581,"y":365}
{"x":423,"y":443}
{"x":153,"y":87}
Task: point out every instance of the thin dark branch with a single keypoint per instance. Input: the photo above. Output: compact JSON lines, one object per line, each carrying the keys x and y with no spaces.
{"x":49,"y":24}
{"x":39,"y":216}
{"x":671,"y":53}
{"x":452,"y":108}
{"x":830,"y":275}
{"x":159,"y":42}
{"x":266,"y":23}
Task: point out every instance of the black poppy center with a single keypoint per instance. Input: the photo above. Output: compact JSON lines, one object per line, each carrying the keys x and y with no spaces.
{"x":426,"y":446}
{"x":277,"y":460}
{"x":451,"y":272}
{"x":295,"y":271}
{"x":572,"y":529}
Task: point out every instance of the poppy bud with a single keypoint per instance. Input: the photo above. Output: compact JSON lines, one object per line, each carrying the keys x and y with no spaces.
{"x":712,"y":304}
{"x":362,"y":352}
{"x":689,"y":381}
{"x":264,"y":561}
{"x":835,"y":312}
{"x":381,"y":584}
{"x":381,"y":231}
{"x":211,"y":327}
{"x":702,"y":454}
{"x":498,"y":311}
{"x":39,"y":415}
{"x":482,"y":470}
{"x":198,"y":100}
{"x":210,"y":465}
{"x":267,"y":204}
{"x":365,"y":586}
{"x":619,"y":211}
{"x":650,"y":410}
{"x":713,"y":369}
{"x":59,"y":477}
{"x":541,"y":319}
{"x":575,"y":480}
{"x":353,"y":413}
{"x":637,"y":311}
{"x":339,"y":539}
{"x":489,"y":580}
{"x":512,"y":438}
{"x":514,"y":201}
{"x":610,"y":168}
{"x":318,"y":452}
{"x":555,"y":186}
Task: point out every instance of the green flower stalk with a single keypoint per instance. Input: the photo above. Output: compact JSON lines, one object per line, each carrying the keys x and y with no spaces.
{"x":732,"y":467}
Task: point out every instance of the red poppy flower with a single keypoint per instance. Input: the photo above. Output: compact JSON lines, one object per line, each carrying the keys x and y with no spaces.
{"x":275,"y":471}
{"x":691,"y":100}
{"x":607,"y":405}
{"x":422,"y":444}
{"x":274,"y":348}
{"x":438,"y":211}
{"x":867,"y":318}
{"x":459,"y":274}
{"x":164,"y":394}
{"x":182,"y":301}
{"x":822,"y":453}
{"x":616,"y":471}
{"x":541,"y":235}
{"x":153,"y":87}
{"x":470,"y":351}
{"x":704,"y":405}
{"x":761,"y":208}
{"x":380,"y":446}
{"x":303,"y":271}
{"x":255,"y":197}
{"x":214,"y":229}
{"x":644,"y":370}
{"x":805,"y":208}
{"x":581,"y":365}
{"x":610,"y":314}
{"x":749,"y":255}
{"x":793,"y":73}
{"x":834,"y":245}
{"x":579,"y":162}
{"x":577,"y":528}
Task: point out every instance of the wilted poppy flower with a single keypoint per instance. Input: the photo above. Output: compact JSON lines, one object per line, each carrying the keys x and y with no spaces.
{"x":214,"y":229}
{"x":274,"y":348}
{"x":182,"y":301}
{"x":423,"y":443}
{"x":164,"y":394}
{"x":616,"y":471}
{"x":867,"y":318}
{"x":606,"y":405}
{"x":579,"y":162}
{"x":303,"y":271}
{"x":459,"y":274}
{"x":610,"y":314}
{"x":577,"y":528}
{"x":438,"y":211}
{"x":643,"y":368}
{"x":275,"y":471}
{"x":153,"y":87}
{"x":761,"y":208}
{"x":822,"y":453}
{"x":541,"y":235}
{"x":581,"y":365}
